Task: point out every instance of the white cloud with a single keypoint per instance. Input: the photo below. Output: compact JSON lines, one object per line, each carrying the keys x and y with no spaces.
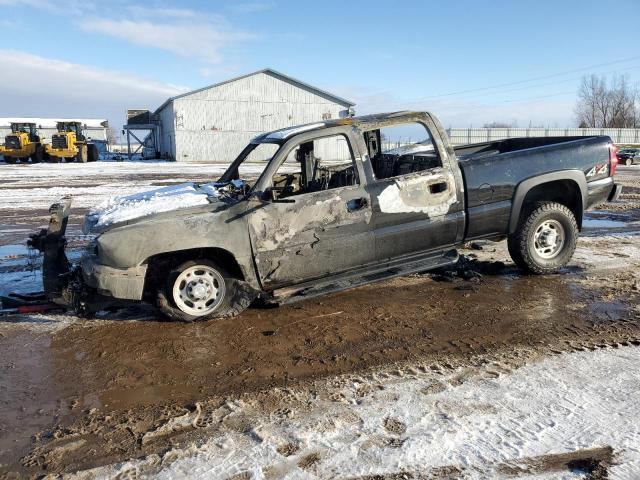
{"x":251,"y":7}
{"x":68,"y":7}
{"x":181,"y":31}
{"x":41,"y":87}
{"x":146,"y":11}
{"x":186,"y":39}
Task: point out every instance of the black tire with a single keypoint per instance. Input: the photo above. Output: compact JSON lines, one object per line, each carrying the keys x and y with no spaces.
{"x":10,"y":160}
{"x":92,"y":153}
{"x":82,"y":156}
{"x":237,"y":297}
{"x":37,"y":155}
{"x":628,"y":161}
{"x":522,"y":243}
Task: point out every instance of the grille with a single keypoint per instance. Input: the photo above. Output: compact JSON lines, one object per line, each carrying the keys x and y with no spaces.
{"x":59,"y":141}
{"x":12,"y":141}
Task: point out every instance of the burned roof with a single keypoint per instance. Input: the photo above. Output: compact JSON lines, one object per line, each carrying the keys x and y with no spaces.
{"x":363,"y":122}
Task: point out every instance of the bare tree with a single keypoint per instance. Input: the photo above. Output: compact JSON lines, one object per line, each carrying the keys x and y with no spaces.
{"x":112,"y":136}
{"x":604,"y":104}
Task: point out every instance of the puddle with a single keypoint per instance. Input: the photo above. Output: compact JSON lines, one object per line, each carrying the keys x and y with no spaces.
{"x":602,"y":223}
{"x":13,"y":251}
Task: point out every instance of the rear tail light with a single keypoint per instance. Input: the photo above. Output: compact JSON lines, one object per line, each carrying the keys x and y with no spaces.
{"x":613,"y":158}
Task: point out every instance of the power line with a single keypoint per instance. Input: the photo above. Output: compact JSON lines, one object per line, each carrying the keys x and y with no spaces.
{"x":413,"y":101}
{"x":544,"y":77}
{"x":572,"y":79}
{"x":541,"y":96}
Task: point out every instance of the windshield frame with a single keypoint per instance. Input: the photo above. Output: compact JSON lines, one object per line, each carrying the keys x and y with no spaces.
{"x":233,"y":171}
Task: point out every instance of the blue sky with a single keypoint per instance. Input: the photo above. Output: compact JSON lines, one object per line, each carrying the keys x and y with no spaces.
{"x":470,"y":62}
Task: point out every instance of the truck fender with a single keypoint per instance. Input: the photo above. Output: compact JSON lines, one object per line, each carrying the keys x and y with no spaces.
{"x":525,"y":187}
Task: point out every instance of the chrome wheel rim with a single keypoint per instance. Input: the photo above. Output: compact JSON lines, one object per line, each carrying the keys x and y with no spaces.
{"x":549,"y":239}
{"x":198,"y":290}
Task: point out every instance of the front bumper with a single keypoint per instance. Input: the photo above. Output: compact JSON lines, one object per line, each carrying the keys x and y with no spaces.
{"x":14,"y":153}
{"x":125,"y":284}
{"x":89,"y":286}
{"x":61,"y":152}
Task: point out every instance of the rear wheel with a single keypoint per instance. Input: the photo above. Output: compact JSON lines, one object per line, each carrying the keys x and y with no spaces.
{"x":201,"y":290}
{"x":545,"y":239}
{"x":82,"y":156}
{"x":37,"y":155}
{"x":92,"y":153}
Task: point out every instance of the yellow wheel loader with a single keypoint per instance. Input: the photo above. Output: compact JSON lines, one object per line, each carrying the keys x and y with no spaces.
{"x":71,"y":144}
{"x":23,"y":144}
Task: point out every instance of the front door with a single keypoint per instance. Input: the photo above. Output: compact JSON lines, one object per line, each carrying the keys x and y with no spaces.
{"x":318,"y":234}
{"x":316,"y":219}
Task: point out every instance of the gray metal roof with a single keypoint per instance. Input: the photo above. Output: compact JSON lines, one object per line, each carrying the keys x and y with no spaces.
{"x":273,"y":73}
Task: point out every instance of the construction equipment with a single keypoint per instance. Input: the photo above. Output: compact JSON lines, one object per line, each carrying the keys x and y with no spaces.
{"x":71,"y":144}
{"x":23,"y":144}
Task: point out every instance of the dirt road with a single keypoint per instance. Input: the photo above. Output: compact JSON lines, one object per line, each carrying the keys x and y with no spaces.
{"x":76,"y":394}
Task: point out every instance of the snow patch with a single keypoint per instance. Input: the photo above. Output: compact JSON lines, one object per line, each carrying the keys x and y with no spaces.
{"x":122,"y":209}
{"x":568,"y":403}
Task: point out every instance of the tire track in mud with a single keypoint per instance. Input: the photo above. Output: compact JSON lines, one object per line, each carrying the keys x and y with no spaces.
{"x":448,"y":331}
{"x":156,"y":430}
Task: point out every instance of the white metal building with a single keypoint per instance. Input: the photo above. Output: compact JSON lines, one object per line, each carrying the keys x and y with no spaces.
{"x":214,"y":123}
{"x":94,"y":128}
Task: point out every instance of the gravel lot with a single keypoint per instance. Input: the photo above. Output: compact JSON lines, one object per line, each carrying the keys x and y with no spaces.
{"x":442,"y":375}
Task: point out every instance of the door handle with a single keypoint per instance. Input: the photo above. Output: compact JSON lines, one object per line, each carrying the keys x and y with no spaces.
{"x":356,"y":204}
{"x":438,"y":187}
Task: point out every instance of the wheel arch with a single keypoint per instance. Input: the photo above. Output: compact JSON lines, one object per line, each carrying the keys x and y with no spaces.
{"x":159,"y":265}
{"x":567,"y":187}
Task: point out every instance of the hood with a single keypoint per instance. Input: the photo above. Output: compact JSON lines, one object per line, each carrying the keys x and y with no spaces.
{"x":117,"y":210}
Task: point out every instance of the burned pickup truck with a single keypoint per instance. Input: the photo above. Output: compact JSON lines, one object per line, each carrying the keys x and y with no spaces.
{"x":327,"y":206}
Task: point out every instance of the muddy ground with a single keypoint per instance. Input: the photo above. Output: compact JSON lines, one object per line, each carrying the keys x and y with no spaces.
{"x":76,"y":394}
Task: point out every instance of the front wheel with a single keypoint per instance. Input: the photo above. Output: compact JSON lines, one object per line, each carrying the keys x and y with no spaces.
{"x":82,"y":156}
{"x":201,"y":290}
{"x":545,"y":239}
{"x":628,"y":161}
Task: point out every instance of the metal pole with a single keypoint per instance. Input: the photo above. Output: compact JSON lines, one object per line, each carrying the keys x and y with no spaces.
{"x":128,"y":145}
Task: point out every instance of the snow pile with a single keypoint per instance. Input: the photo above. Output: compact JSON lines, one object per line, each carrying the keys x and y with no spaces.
{"x":122,"y":209}
{"x":474,"y":423}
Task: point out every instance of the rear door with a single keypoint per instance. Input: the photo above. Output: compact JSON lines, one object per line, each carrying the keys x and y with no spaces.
{"x":416,"y":205}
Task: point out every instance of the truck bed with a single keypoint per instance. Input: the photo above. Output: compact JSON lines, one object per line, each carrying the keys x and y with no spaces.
{"x":493,"y":170}
{"x":480,"y":150}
